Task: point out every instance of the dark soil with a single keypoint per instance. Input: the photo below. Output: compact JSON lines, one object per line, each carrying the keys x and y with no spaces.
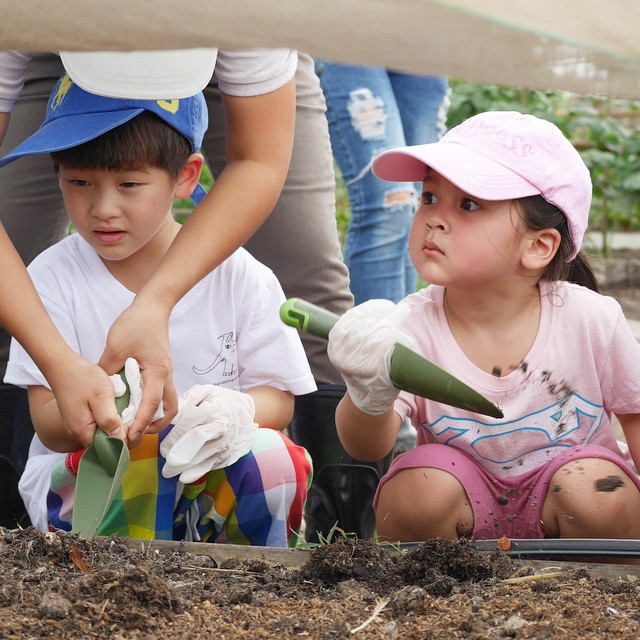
{"x":62,"y":586}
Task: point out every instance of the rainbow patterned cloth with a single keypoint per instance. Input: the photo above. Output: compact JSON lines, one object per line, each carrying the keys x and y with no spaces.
{"x":258,"y":500}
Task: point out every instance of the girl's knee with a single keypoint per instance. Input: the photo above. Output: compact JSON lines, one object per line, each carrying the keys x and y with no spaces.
{"x":423,"y":503}
{"x":592,"y":497}
{"x":590,"y":476}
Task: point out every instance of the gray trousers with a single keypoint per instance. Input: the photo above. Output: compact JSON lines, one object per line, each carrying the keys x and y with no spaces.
{"x":299,"y":240}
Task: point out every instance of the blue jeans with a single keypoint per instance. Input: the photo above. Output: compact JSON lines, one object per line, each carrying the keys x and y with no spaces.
{"x":369,"y":110}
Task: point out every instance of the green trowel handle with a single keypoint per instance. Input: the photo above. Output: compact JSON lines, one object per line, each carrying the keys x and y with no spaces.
{"x":409,"y":371}
{"x":308,"y":317}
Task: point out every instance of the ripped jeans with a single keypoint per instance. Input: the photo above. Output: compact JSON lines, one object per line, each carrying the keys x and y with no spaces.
{"x":370,"y":110}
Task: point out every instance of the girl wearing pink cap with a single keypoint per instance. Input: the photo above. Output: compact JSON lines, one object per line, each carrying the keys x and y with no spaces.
{"x":512,"y":309}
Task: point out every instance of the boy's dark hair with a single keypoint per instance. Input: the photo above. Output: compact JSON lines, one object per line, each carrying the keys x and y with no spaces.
{"x":143,"y":141}
{"x":537,"y":213}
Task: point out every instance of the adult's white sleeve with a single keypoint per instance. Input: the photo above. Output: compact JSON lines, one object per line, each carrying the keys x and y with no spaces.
{"x":13,"y":68}
{"x":254,"y":72}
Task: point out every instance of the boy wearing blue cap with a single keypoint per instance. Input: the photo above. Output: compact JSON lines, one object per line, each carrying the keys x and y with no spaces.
{"x":212,"y":476}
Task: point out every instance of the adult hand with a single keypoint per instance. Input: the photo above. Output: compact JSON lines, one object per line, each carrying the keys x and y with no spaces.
{"x":85,"y":399}
{"x":360,"y":347}
{"x":84,"y":396}
{"x":141,"y":332}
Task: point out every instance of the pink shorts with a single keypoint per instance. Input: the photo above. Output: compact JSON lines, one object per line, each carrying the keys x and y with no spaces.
{"x":501,"y":506}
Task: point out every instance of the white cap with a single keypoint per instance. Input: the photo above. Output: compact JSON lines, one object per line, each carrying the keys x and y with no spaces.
{"x":141,"y":75}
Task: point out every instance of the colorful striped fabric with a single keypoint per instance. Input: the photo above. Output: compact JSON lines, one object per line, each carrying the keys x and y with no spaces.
{"x":258,"y":500}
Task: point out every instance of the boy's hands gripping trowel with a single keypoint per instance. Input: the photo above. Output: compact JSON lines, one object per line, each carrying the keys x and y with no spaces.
{"x":409,"y":371}
{"x":100,"y":473}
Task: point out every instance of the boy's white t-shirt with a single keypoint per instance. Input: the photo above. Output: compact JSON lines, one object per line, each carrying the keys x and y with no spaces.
{"x":225,"y":331}
{"x":584,"y":365}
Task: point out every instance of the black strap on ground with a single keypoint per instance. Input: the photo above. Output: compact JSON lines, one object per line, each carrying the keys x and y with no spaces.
{"x":553,"y":547}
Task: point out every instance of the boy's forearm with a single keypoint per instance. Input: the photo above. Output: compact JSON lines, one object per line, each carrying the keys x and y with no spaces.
{"x":366,"y":438}
{"x":274,"y":408}
{"x":48,"y":422}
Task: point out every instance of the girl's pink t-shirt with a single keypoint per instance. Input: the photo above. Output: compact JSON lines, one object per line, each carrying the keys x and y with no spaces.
{"x":583,"y":366}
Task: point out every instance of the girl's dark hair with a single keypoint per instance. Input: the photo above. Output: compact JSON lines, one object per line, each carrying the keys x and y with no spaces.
{"x":539,"y":214}
{"x":143,"y":141}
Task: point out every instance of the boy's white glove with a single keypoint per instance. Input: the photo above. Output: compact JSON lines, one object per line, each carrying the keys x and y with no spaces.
{"x":134,"y":380}
{"x":214,"y":427}
{"x":360,"y":347}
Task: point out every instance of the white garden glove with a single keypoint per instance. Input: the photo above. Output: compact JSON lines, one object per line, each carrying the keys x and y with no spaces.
{"x":214,"y":427}
{"x":134,"y":380}
{"x":360,"y":347}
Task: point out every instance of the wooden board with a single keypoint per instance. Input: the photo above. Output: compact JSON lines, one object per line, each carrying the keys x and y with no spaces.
{"x":572,"y":45}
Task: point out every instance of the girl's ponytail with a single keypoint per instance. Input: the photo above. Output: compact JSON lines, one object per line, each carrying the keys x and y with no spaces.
{"x":580,"y":272}
{"x":538,"y":214}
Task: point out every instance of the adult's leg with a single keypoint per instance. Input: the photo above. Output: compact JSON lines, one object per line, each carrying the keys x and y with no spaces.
{"x":33,"y":214}
{"x":299,"y":240}
{"x":423,"y":102}
{"x":364,"y":120}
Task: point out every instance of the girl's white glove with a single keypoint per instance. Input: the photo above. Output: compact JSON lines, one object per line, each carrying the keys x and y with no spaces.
{"x":360,"y":347}
{"x":214,"y":427}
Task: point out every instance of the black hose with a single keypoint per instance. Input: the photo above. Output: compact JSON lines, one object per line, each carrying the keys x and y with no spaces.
{"x":553,"y":547}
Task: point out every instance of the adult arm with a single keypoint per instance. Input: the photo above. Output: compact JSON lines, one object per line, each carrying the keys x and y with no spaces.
{"x":259,"y":144}
{"x":81,"y":406}
{"x":83,"y":391}
{"x":4,"y":124}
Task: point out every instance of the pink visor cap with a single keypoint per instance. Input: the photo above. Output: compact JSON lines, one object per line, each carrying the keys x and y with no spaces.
{"x":502,"y":155}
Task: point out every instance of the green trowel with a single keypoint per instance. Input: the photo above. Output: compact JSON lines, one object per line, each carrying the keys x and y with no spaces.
{"x":100,"y":473}
{"x":409,"y":371}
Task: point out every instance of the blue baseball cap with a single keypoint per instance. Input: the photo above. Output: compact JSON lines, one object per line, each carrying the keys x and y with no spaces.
{"x":75,"y":116}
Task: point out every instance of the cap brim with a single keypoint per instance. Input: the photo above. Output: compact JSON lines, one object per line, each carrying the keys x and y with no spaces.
{"x":68,"y":132}
{"x":141,"y":75}
{"x":469,"y":170}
